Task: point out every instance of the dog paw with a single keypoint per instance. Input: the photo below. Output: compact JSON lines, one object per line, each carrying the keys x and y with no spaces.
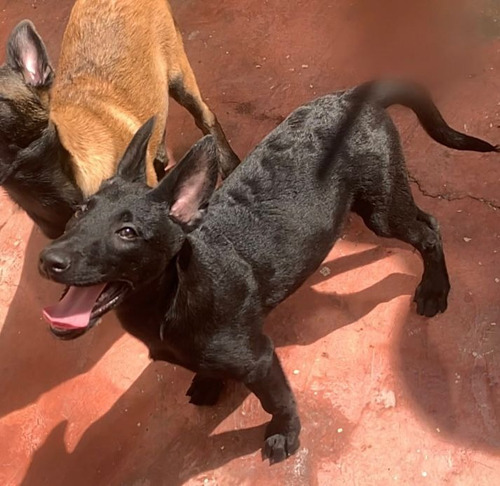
{"x":432,"y":298}
{"x":204,"y":391}
{"x":282,"y":439}
{"x":278,"y":447}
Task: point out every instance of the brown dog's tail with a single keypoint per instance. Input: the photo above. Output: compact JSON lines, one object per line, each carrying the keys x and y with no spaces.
{"x":415,"y":97}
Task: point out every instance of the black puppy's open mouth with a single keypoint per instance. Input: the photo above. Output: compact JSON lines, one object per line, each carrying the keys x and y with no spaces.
{"x":80,"y":308}
{"x":110,"y":297}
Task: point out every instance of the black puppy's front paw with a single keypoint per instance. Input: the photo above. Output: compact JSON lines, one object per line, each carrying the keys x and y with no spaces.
{"x":204,"y":391}
{"x":431,"y":296}
{"x":282,"y":439}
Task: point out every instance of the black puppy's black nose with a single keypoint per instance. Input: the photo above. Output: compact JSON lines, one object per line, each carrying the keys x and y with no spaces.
{"x":54,"y":262}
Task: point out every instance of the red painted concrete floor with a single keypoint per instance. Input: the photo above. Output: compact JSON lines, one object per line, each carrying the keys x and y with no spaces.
{"x":386,"y":397}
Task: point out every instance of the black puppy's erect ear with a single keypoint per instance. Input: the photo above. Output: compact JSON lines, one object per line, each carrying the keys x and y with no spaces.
{"x":132,"y":166}
{"x":189,"y":185}
{"x":27,"y":54}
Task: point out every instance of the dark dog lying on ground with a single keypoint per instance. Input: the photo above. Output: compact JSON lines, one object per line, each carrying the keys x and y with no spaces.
{"x":193,"y":274}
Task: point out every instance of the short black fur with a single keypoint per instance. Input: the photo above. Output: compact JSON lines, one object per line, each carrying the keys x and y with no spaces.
{"x":199,"y":299}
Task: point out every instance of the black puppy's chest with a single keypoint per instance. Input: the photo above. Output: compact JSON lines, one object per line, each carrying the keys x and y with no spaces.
{"x":174,"y":345}
{"x":166,"y":351}
{"x":167,"y":340}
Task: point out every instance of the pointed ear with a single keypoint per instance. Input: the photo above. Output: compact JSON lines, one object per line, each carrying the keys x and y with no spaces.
{"x":190,"y":184}
{"x":132,"y":166}
{"x":27,"y":54}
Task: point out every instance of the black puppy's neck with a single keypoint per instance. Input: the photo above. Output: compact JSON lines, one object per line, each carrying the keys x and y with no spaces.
{"x":145,"y":309}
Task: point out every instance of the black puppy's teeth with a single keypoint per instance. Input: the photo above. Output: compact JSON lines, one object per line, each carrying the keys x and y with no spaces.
{"x":110,"y":297}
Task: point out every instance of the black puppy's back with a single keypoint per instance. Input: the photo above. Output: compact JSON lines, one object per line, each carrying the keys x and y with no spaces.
{"x":295,"y":189}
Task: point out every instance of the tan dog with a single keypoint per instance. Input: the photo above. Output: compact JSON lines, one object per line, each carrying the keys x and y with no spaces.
{"x":119,"y":62}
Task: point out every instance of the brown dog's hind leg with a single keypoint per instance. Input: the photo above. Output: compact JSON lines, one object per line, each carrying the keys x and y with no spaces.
{"x":161,"y":160}
{"x":184,"y":89}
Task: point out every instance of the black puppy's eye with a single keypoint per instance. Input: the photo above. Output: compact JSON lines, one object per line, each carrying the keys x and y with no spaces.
{"x":127,"y":233}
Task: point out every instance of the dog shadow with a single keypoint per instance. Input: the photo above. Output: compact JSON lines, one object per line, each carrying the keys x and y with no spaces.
{"x":173,"y":435}
{"x":450,"y":370}
{"x":148,"y":433}
{"x":306,"y":324}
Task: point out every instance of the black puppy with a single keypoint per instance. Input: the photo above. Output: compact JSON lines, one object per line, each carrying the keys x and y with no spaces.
{"x":193,"y":275}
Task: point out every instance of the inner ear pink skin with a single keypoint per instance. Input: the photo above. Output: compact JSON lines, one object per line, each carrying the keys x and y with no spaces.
{"x":190,"y":196}
{"x":31,"y":65}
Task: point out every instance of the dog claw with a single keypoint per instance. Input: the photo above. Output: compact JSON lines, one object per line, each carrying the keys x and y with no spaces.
{"x":278,"y":447}
{"x":282,"y":439}
{"x":431,"y":300}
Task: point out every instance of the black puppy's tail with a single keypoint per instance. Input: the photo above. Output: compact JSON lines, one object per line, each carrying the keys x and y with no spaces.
{"x":415,"y":97}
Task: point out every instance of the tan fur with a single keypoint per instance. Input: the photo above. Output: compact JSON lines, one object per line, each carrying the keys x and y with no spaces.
{"x":117,"y":60}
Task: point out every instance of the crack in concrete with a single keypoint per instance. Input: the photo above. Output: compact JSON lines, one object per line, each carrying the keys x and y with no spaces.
{"x":449,"y":197}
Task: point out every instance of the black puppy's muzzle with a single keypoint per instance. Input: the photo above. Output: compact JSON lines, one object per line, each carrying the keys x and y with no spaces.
{"x":54,"y":263}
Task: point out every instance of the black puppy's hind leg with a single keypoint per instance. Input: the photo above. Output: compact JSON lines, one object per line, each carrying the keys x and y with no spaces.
{"x":431,"y":295}
{"x":268,"y":382}
{"x":395,"y":215}
{"x":204,"y":390}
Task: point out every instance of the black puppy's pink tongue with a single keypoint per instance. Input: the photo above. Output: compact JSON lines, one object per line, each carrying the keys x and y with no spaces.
{"x":74,"y":309}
